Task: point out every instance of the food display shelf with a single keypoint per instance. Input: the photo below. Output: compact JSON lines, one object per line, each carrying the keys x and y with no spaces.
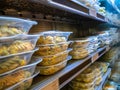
{"x":104,"y":79}
{"x":73,"y":68}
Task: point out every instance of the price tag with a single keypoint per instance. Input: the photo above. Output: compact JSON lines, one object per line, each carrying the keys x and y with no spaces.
{"x":95,"y":57}
{"x":52,"y":86}
{"x":92,"y":12}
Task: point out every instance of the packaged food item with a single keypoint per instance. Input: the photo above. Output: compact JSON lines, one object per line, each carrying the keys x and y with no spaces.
{"x":82,"y":85}
{"x":48,"y":70}
{"x":98,"y":80}
{"x":24,"y":84}
{"x":54,"y":59}
{"x":11,"y":62}
{"x":12,"y":77}
{"x":80,"y":42}
{"x":53,"y":37}
{"x":51,"y":49}
{"x":79,"y":54}
{"x":17,"y":45}
{"x":77,"y":88}
{"x":110,"y":86}
{"x":10,"y":26}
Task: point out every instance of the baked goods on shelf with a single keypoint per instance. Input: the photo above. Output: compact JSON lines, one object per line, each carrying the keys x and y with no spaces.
{"x":16,"y":47}
{"x":48,"y":70}
{"x":11,"y":79}
{"x":53,"y":37}
{"x":11,"y":64}
{"x":54,"y":59}
{"x":51,"y":49}
{"x":9,"y":31}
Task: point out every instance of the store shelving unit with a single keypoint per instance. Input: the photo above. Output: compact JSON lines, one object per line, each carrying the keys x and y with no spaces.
{"x":105,"y":77}
{"x":64,"y":76}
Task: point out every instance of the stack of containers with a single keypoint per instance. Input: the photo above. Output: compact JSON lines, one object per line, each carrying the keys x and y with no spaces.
{"x":16,"y":49}
{"x":80,"y":48}
{"x":53,"y":48}
{"x":90,"y":77}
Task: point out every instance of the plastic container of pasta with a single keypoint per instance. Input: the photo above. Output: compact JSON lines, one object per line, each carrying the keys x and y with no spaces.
{"x":82,"y":85}
{"x":80,"y":42}
{"x":11,"y":62}
{"x":53,"y":37}
{"x":12,"y":77}
{"x":24,"y":84}
{"x":54,"y":59}
{"x":10,"y":26}
{"x":51,"y":49}
{"x":21,"y":43}
{"x":49,"y":70}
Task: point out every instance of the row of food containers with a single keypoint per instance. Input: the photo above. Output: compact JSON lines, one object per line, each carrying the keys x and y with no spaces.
{"x":50,"y":51}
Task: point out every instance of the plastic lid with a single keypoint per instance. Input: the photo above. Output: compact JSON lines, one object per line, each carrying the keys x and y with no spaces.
{"x":14,"y":21}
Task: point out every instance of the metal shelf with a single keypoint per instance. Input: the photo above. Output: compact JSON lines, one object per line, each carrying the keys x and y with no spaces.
{"x":73,"y":68}
{"x":73,"y":6}
{"x":105,"y":77}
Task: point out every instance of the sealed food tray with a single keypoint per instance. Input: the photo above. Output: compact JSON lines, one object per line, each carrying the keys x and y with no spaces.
{"x":51,"y":49}
{"x":12,"y":77}
{"x":78,"y":54}
{"x":54,"y":59}
{"x":10,"y":26}
{"x":80,"y":43}
{"x":82,"y":84}
{"x":48,"y":70}
{"x":53,"y":37}
{"x":18,"y":44}
{"x":24,"y":84}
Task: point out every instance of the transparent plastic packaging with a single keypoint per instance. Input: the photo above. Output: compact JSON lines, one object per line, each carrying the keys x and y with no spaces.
{"x":79,"y":54}
{"x":18,"y":44}
{"x":53,"y":37}
{"x":54,"y":59}
{"x":98,"y":80}
{"x":10,"y":26}
{"x":51,"y":49}
{"x":24,"y":84}
{"x":80,"y":42}
{"x":48,"y":70}
{"x":12,"y":77}
{"x":83,"y":85}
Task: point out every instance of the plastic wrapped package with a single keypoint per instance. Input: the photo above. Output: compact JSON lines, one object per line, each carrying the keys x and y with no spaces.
{"x":54,"y":59}
{"x":10,"y":26}
{"x":82,"y":85}
{"x":12,"y":77}
{"x":80,"y":42}
{"x":48,"y":70}
{"x":18,"y":44}
{"x":98,"y":80}
{"x":110,"y":86}
{"x":51,"y":49}
{"x":11,"y":62}
{"x":86,"y":76}
{"x":53,"y":37}
{"x":24,"y":84}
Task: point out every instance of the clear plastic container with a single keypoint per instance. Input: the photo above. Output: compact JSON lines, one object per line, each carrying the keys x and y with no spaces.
{"x":25,"y":84}
{"x":10,"y":78}
{"x":52,"y":49}
{"x":48,"y":70}
{"x":10,"y":26}
{"x":18,"y":44}
{"x":54,"y":59}
{"x":53,"y":37}
{"x":79,"y":54}
{"x":98,"y":80}
{"x":80,"y":43}
{"x":83,"y":85}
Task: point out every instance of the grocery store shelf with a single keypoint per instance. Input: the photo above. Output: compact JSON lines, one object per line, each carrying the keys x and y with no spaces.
{"x":75,"y":7}
{"x":105,"y":77}
{"x":73,"y":68}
